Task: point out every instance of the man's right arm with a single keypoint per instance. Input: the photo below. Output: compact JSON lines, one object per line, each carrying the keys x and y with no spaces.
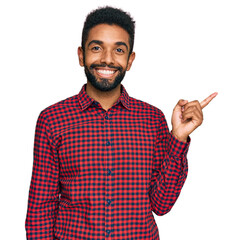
{"x":43,"y":198}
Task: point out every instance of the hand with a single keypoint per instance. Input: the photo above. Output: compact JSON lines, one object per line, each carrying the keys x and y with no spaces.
{"x":187,"y":116}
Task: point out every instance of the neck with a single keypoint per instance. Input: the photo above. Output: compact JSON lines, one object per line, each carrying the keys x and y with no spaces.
{"x":106,"y":99}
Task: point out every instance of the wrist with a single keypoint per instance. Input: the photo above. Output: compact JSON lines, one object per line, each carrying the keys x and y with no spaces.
{"x":180,"y":138}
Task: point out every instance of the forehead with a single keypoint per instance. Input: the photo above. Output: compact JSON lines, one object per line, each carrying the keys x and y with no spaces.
{"x":108,"y":34}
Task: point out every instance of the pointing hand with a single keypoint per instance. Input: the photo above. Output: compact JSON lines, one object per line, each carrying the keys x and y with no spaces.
{"x":187,"y":116}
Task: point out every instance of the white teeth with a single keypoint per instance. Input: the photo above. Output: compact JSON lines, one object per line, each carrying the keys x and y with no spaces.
{"x":105,"y":71}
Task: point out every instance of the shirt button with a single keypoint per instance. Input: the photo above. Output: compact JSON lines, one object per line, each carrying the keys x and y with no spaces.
{"x":108,"y":202}
{"x":109,"y":172}
{"x":108,"y":143}
{"x":108,"y":231}
{"x":106,"y":117}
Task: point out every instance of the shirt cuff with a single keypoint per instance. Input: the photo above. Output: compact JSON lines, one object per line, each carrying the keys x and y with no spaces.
{"x":177,"y":147}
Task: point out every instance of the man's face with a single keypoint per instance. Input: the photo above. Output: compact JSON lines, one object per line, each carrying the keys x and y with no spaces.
{"x":106,"y":58}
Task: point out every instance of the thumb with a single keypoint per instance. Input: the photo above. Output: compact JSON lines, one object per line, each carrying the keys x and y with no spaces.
{"x":181,"y":103}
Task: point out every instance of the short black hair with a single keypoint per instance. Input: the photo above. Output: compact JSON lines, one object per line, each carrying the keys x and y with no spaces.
{"x":109,"y":15}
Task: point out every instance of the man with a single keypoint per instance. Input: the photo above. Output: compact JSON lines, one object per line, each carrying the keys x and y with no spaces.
{"x":103,"y":161}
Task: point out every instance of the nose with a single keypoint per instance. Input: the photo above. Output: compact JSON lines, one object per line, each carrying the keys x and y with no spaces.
{"x":107,"y":57}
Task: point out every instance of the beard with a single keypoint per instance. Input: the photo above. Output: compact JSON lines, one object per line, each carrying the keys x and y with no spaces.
{"x":104,"y":84}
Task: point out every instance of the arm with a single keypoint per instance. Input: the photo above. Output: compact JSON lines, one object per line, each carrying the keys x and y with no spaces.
{"x":43,"y":198}
{"x":169,"y":170}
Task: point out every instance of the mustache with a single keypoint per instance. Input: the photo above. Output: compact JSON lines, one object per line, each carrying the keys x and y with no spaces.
{"x":105,"y":65}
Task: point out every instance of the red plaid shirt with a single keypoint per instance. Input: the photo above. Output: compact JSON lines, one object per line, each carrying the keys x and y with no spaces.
{"x":99,"y":174}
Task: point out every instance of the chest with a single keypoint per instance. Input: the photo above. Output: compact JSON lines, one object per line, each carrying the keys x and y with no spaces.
{"x":126,"y":144}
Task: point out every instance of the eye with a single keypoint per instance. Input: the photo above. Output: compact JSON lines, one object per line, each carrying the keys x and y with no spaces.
{"x":120,"y":50}
{"x":96,"y":48}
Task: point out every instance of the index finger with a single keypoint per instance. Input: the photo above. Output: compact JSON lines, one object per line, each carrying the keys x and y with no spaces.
{"x":206,"y":101}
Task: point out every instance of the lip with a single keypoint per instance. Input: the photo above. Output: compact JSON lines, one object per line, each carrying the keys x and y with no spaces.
{"x":105,"y":72}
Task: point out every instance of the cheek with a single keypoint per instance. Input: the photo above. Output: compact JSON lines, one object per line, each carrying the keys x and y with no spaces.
{"x":91,"y":58}
{"x":123,"y":61}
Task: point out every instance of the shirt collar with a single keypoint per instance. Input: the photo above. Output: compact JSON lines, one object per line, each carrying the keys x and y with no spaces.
{"x":85,"y":101}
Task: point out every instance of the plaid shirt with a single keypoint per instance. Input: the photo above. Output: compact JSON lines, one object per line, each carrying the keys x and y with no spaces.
{"x":99,"y":174}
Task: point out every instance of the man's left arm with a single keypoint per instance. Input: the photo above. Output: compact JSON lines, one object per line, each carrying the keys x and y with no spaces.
{"x":169,"y":170}
{"x":170,"y":167}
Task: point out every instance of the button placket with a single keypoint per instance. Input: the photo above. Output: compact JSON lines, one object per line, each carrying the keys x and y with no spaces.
{"x":108,"y":216}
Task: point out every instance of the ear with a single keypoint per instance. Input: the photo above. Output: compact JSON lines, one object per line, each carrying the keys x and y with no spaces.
{"x":80,"y":54}
{"x":130,"y":60}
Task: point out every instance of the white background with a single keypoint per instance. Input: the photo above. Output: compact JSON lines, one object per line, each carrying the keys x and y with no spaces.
{"x":184,"y":49}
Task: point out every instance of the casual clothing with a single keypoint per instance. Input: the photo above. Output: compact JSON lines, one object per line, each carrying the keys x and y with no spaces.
{"x":99,"y":174}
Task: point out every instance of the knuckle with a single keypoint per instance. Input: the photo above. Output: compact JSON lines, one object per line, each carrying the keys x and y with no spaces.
{"x":196,"y":102}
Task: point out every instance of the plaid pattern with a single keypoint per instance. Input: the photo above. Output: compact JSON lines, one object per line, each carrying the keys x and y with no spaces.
{"x":99,"y":174}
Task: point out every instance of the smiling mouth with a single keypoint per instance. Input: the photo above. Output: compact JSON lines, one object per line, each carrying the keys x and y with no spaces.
{"x":105,"y":73}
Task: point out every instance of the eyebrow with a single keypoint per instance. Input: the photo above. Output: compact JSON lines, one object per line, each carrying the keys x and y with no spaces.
{"x":95,"y":41}
{"x":122,"y":44}
{"x":101,"y":42}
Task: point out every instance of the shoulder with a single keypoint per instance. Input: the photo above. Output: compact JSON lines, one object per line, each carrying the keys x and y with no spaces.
{"x":146,"y":108}
{"x":58,"y":109}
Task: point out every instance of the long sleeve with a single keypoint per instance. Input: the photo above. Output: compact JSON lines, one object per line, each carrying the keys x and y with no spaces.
{"x":169,"y":170}
{"x":43,"y":198}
